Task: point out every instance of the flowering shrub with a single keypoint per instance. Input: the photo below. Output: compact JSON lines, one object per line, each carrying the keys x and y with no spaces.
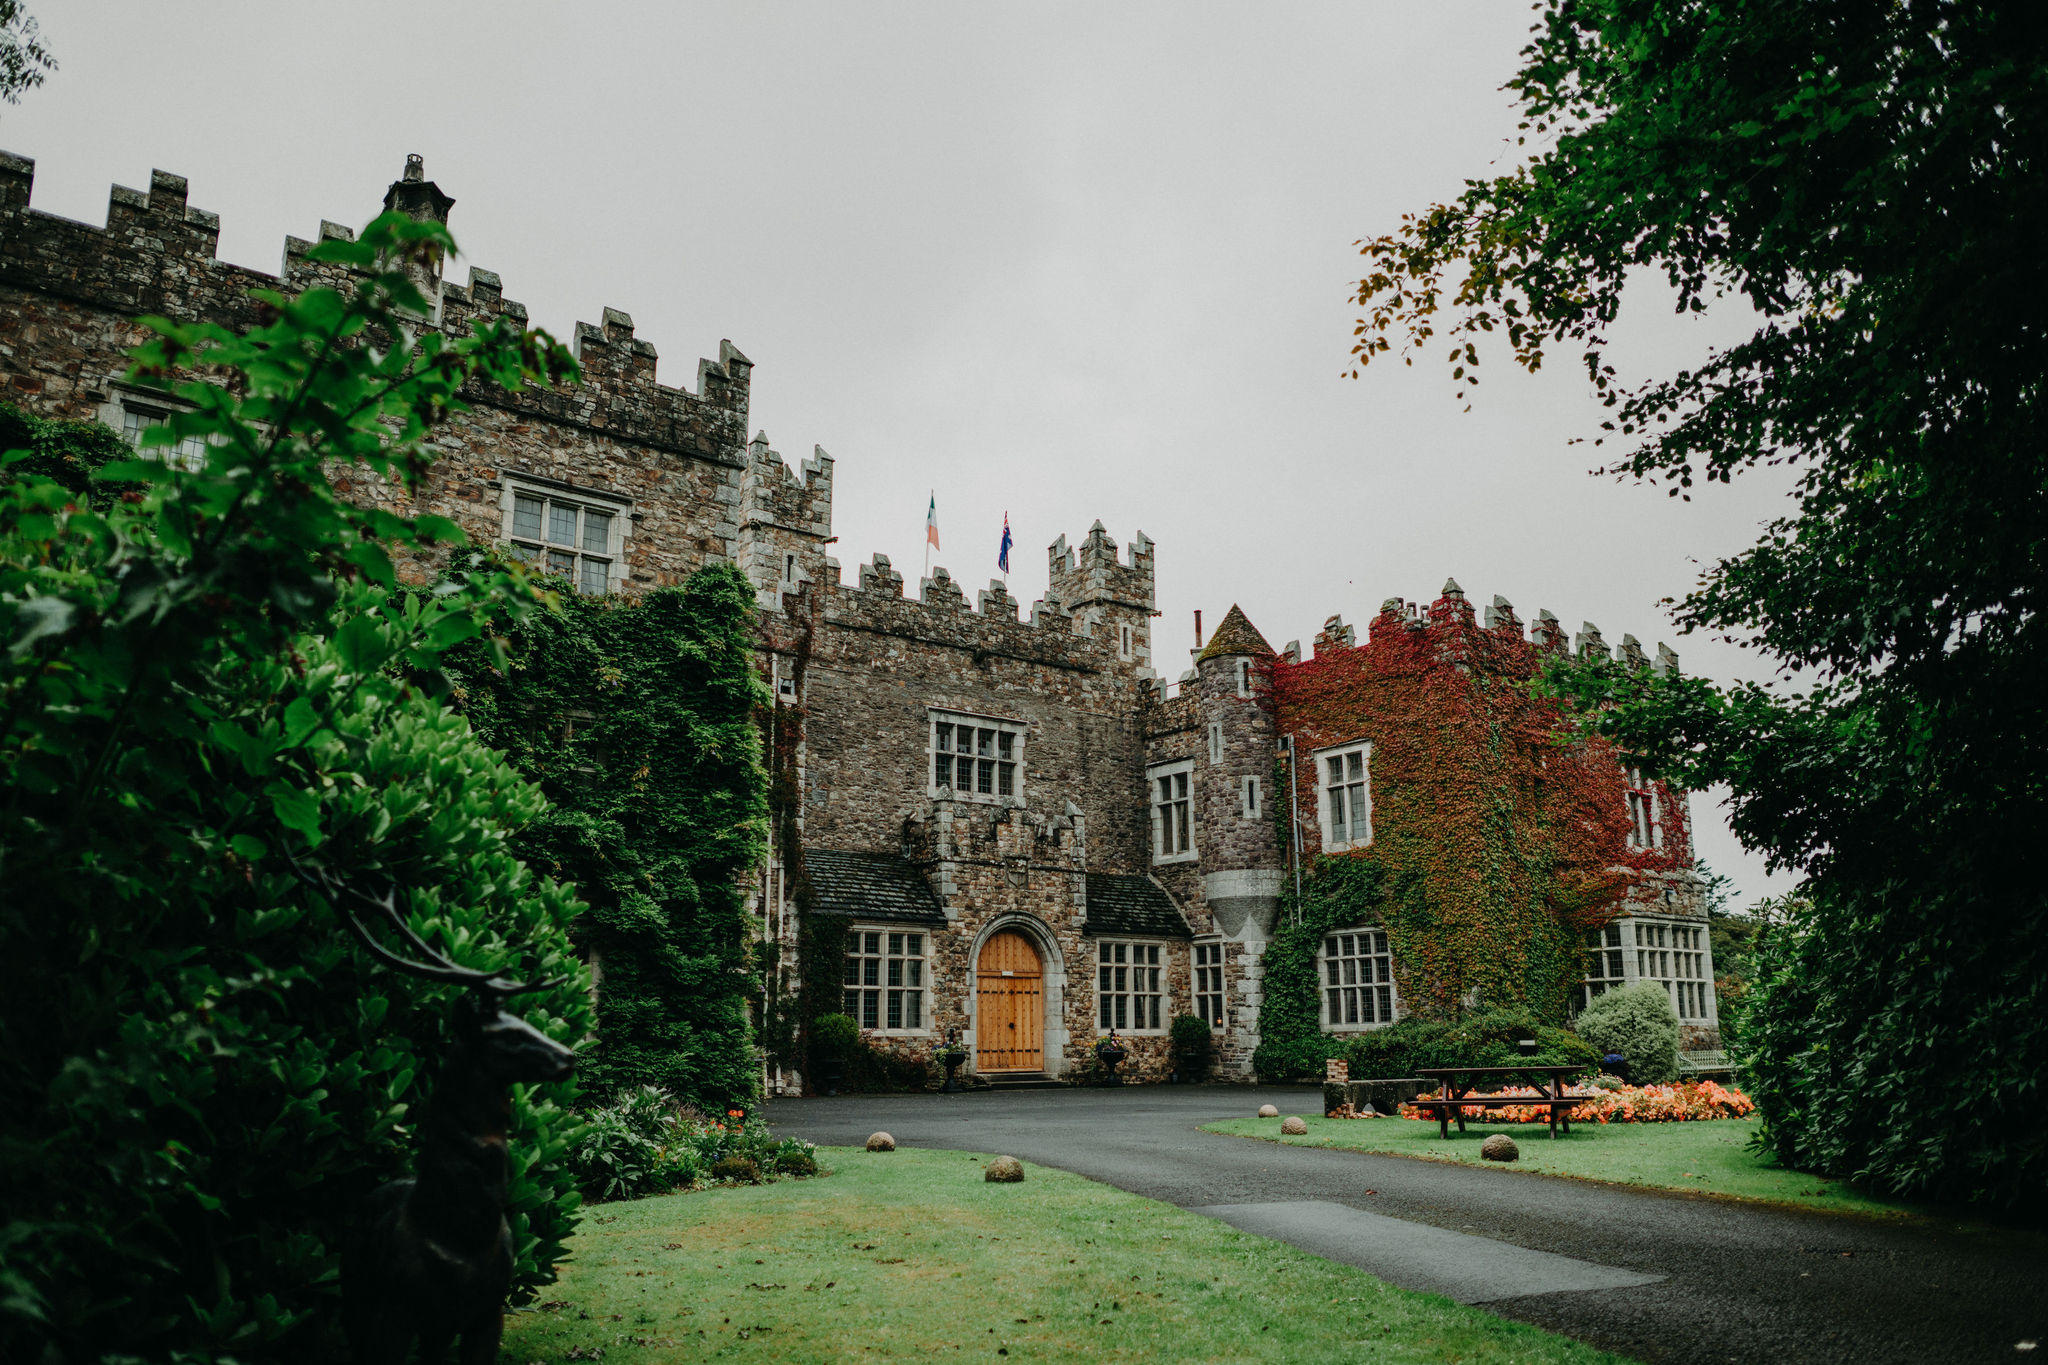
{"x":1688,"y":1101}
{"x":648,"y":1144}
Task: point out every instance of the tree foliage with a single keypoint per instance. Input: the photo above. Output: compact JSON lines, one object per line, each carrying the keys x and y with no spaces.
{"x":23,"y":58}
{"x":1868,"y":177}
{"x":638,"y":721}
{"x":203,"y":1072}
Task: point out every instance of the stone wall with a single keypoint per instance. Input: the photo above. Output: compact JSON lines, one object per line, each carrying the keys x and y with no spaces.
{"x":671,"y":459}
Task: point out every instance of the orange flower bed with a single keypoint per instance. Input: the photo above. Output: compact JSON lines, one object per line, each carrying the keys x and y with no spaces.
{"x":1688,"y":1101}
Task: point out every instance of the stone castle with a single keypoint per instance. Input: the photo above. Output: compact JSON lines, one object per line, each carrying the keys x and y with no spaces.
{"x":1032,"y":835}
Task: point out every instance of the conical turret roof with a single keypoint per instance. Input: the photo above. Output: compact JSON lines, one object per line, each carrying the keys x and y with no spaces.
{"x":1236,"y":635}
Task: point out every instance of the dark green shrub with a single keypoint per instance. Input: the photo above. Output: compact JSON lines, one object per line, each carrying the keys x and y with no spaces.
{"x":877,"y":1071}
{"x":834,"y":1037}
{"x":738,"y":1170}
{"x":204,"y":1074}
{"x":1194,"y":1045}
{"x":1487,"y":1038}
{"x":793,"y":1158}
{"x":1638,"y":1022}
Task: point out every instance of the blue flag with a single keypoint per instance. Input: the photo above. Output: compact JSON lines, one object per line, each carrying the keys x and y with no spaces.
{"x":1003,"y":555}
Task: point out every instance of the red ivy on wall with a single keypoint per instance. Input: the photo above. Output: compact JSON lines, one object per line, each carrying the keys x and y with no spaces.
{"x":1502,"y":826}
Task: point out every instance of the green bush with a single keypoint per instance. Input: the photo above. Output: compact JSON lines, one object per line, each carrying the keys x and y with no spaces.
{"x":796,"y":1158}
{"x":204,"y":1073}
{"x":1638,"y":1022}
{"x":876,"y":1071}
{"x":1487,"y":1038}
{"x":646,"y":1143}
{"x":834,"y":1037}
{"x":738,"y":1170}
{"x":1194,"y":1045}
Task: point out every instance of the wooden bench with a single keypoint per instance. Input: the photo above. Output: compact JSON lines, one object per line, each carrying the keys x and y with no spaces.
{"x":1560,"y":1108}
{"x":1451,"y":1101}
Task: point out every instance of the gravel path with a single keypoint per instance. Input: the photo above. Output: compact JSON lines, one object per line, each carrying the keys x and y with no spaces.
{"x":1737,"y":1282}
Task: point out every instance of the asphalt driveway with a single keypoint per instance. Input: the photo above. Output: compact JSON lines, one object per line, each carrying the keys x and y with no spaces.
{"x":1662,"y":1277}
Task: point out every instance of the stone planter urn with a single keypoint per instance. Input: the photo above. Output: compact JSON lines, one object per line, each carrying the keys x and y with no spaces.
{"x":831,"y":1071}
{"x":1111,"y":1054}
{"x":953,"y":1059}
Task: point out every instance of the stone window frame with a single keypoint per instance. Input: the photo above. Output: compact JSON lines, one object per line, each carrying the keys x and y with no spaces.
{"x":1321,"y":759}
{"x":1207,"y":983}
{"x":782,"y":678}
{"x":132,"y":414}
{"x":1215,"y":743}
{"x":1244,"y":677}
{"x":1016,"y":731}
{"x":1162,"y":824}
{"x":1359,"y":951}
{"x":1645,"y":811}
{"x":1250,"y":805}
{"x":907,"y":947}
{"x":1126,"y":647}
{"x":1118,"y":983}
{"x":1674,"y":954}
{"x":1606,"y":963}
{"x":535,"y":549}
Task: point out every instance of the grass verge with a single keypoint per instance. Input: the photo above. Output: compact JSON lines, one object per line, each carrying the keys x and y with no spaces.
{"x":1708,"y":1157}
{"x":906,"y":1254}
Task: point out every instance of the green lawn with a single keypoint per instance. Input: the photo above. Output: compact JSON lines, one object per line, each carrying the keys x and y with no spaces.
{"x":906,"y":1254}
{"x":1708,"y":1157}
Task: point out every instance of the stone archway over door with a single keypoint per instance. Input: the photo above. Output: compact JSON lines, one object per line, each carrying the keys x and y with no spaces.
{"x":1009,"y":1006}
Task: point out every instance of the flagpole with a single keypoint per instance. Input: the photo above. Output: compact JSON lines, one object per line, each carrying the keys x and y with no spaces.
{"x":933,"y":506}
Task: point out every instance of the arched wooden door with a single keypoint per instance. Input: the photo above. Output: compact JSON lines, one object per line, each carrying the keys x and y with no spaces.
{"x":1009,"y":1010}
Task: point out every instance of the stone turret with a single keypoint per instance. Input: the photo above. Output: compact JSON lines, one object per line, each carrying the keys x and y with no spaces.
{"x":1241,"y":854}
{"x":1107,"y":597}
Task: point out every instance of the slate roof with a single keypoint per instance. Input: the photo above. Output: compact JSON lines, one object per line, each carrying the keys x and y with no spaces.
{"x":877,"y":886}
{"x":1236,"y":635}
{"x":1131,"y":905}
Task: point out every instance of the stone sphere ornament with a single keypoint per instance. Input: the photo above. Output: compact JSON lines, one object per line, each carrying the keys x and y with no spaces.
{"x":1004,"y":1170}
{"x":1267,"y":1111}
{"x":1499,"y":1147}
{"x":1294,"y":1126}
{"x":881,"y":1142}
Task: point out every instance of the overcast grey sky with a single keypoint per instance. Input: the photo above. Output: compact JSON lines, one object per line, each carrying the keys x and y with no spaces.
{"x":1065,"y":261}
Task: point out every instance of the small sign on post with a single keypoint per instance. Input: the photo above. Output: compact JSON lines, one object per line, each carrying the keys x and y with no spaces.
{"x":1336,"y":1071}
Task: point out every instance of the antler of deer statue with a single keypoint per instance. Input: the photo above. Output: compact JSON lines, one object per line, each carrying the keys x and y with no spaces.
{"x":432,"y":1259}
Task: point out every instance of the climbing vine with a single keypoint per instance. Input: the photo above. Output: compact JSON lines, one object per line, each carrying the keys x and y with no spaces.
{"x":638,"y":719}
{"x":1499,"y":824}
{"x":1342,"y":891}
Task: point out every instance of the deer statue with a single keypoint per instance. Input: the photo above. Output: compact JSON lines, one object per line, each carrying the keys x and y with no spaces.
{"x":432,"y":1258}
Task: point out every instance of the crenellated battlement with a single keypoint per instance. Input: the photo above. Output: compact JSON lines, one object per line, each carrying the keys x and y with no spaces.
{"x":1500,"y":617}
{"x":157,"y":255}
{"x":990,"y":625}
{"x":1092,"y":574}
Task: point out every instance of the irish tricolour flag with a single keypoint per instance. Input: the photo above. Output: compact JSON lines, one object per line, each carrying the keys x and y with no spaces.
{"x":931,"y":522}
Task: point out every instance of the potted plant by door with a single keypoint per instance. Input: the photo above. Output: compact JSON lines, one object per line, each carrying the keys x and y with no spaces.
{"x":833,"y":1039}
{"x":1109,"y":1052}
{"x":952,"y":1056}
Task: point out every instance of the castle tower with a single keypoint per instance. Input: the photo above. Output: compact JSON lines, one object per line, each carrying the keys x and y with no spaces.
{"x":1243,"y":865}
{"x":1241,"y":854}
{"x":1107,"y":597}
{"x":785,"y":521}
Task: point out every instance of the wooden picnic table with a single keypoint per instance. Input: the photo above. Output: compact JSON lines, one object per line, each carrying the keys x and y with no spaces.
{"x":1452,"y":1101}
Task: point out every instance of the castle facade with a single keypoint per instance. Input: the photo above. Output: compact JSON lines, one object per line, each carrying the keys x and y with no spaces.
{"x":1030,"y":833}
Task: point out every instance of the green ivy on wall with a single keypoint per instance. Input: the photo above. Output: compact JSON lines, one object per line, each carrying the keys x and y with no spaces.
{"x":639,"y":721}
{"x":1338,"y":892}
